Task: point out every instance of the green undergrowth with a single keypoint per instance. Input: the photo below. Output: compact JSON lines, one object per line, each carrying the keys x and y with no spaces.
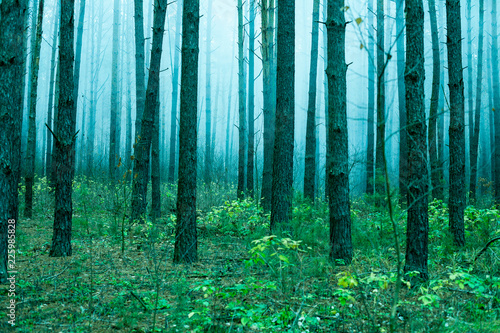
{"x":121,"y":277}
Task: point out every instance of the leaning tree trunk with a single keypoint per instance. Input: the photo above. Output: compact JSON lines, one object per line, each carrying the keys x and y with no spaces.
{"x":281,"y":203}
{"x":143,"y":146}
{"x":381,"y":64}
{"x":53,"y":64}
{"x":242,"y":99}
{"x":31,"y":147}
{"x":433,"y":110}
{"x":114,"y":145}
{"x":477,"y":117}
{"x":65,"y":136}
{"x":208,"y":101}
{"x":186,"y":244}
{"x":457,"y":127}
{"x":310,"y":159}
{"x":370,"y":133}
{"x":251,"y":101}
{"x":403,"y":151}
{"x":418,"y":221}
{"x":337,"y":146}
{"x":175,"y":94}
{"x":12,"y":64}
{"x":267,"y":19}
{"x":496,"y":100}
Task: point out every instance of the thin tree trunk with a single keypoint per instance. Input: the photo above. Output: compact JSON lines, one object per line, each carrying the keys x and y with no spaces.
{"x":139,"y":65}
{"x":418,"y":221}
{"x":65,"y":136}
{"x":31,"y":147}
{"x":155,"y":166}
{"x":281,"y":203}
{"x":267,"y":21}
{"x":370,"y":133}
{"x":12,"y":67}
{"x":457,"y":127}
{"x":403,"y":151}
{"x":470,"y":88}
{"x":113,"y":123}
{"x":208,"y":101}
{"x":381,"y":65}
{"x":175,"y":94}
{"x":310,"y":158}
{"x":186,"y":244}
{"x":475,"y":137}
{"x":251,"y":101}
{"x":242,"y":147}
{"x":227,"y":164}
{"x":142,"y":148}
{"x":496,"y":100}
{"x":337,"y":146}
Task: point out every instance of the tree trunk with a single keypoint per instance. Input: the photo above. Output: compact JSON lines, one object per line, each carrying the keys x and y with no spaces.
{"x":496,"y":100}
{"x":186,"y":244}
{"x":477,"y":117}
{"x":470,"y":88}
{"x":418,"y":221}
{"x":143,"y":146}
{"x":139,"y":65}
{"x":12,"y":67}
{"x":381,"y":65}
{"x":370,"y":133}
{"x":242,"y":147}
{"x":433,"y":110}
{"x":281,"y":203}
{"x":227,"y":160}
{"x":53,"y":64}
{"x":310,"y":159}
{"x":403,"y":152}
{"x":32,"y":98}
{"x":65,"y":136}
{"x":251,"y":101}
{"x":175,"y":94}
{"x":114,"y":147}
{"x":267,"y":21}
{"x":337,"y":146}
{"x":155,"y":165}
{"x":457,"y":128}
{"x":208,"y":101}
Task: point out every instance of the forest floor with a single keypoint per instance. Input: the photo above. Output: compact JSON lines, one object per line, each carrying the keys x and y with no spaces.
{"x":123,"y":280}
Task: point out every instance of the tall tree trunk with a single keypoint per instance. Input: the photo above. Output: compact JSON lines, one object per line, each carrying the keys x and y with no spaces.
{"x":53,"y":64}
{"x":491,"y":116}
{"x":267,"y":21}
{"x":477,"y":117}
{"x":155,"y":165}
{"x":403,"y":151}
{"x":242,"y":129}
{"x":32,"y":98}
{"x":186,"y":244}
{"x":433,"y":110}
{"x":139,"y":65}
{"x":65,"y":136}
{"x":143,"y":146}
{"x":441,"y":107}
{"x":370,"y":133}
{"x":281,"y":203}
{"x":418,"y":221}
{"x":175,"y":94}
{"x":496,"y":99}
{"x":208,"y":101}
{"x":470,"y":88}
{"x":12,"y":67}
{"x":129,"y":133}
{"x":251,"y":101}
{"x":457,"y":127}
{"x":337,"y":146}
{"x":227,"y":162}
{"x":381,"y":65}
{"x":114,"y":147}
{"x":310,"y":159}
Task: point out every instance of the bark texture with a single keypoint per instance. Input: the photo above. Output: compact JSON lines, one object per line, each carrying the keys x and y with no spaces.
{"x":403,"y":151}
{"x":242,"y":126}
{"x":208,"y":100}
{"x":281,"y":203}
{"x":186,"y":244}
{"x":496,"y":100}
{"x":114,"y":140}
{"x":370,"y":133}
{"x":381,"y":65}
{"x":251,"y":100}
{"x":337,"y":146}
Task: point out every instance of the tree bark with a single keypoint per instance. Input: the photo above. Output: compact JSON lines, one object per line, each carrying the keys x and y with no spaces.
{"x":337,"y":146}
{"x":32,"y":98}
{"x":477,"y":116}
{"x":186,"y":244}
{"x":251,"y":101}
{"x":457,"y":127}
{"x":370,"y":133}
{"x":139,"y":65}
{"x":208,"y":101}
{"x":114,"y":145}
{"x":242,"y":129}
{"x":403,"y":151}
{"x":418,"y":221}
{"x":381,"y":65}
{"x":65,"y":136}
{"x":142,"y":148}
{"x":281,"y":203}
{"x":12,"y":67}
{"x":310,"y":158}
{"x":267,"y":21}
{"x":496,"y":100}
